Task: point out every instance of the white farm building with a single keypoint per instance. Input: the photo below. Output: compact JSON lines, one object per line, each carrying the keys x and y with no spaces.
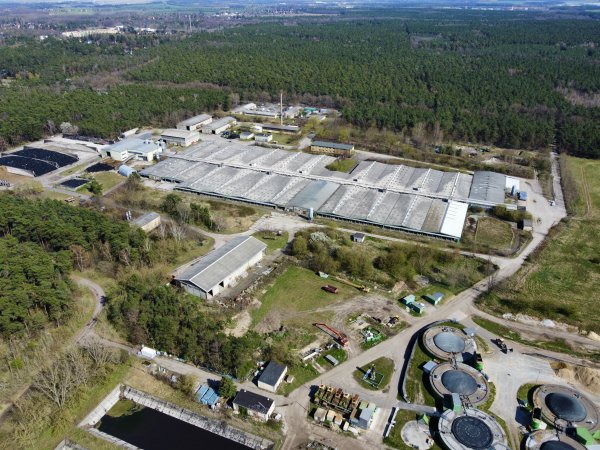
{"x":222,"y":267}
{"x":183,"y":138}
{"x":194,"y":123}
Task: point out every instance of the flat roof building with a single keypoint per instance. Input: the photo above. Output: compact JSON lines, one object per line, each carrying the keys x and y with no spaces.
{"x":263,"y":137}
{"x":148,"y":221}
{"x":194,"y":123}
{"x":331,"y":148}
{"x":183,"y":138}
{"x":219,"y":125}
{"x":222,"y":267}
{"x":256,"y":405}
{"x":272,"y":376}
{"x":139,"y":147}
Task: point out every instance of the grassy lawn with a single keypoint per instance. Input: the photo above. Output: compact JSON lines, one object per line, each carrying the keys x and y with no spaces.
{"x":52,"y":195}
{"x":342,"y":165}
{"x":302,"y":374}
{"x":416,"y":390}
{"x":525,"y":393}
{"x":286,"y":139}
{"x":490,"y":235}
{"x":494,"y":233}
{"x":273,"y":241}
{"x":338,"y":353}
{"x":557,"y":281}
{"x":107,"y":180}
{"x":383,"y":366}
{"x":298,"y":290}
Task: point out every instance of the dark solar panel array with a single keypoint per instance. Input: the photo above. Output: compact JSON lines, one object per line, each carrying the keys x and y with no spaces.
{"x":36,"y":166}
{"x":99,"y":167}
{"x":55,"y":158}
{"x":74,"y":183}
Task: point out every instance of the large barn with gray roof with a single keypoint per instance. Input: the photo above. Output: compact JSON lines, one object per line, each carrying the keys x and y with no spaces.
{"x":418,"y":200}
{"x":220,"y":268}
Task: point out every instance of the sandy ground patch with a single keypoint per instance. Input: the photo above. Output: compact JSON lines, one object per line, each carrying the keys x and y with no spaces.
{"x":587,"y":377}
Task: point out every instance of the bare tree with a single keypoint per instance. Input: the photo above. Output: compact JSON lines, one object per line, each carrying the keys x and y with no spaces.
{"x":177,"y":232}
{"x":57,"y":381}
{"x":99,"y":354}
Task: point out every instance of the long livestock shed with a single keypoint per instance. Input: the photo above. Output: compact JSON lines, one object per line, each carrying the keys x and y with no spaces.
{"x":221,"y":268}
{"x":418,"y":200}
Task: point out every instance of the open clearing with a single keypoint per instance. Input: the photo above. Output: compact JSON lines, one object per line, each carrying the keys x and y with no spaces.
{"x":298,"y":290}
{"x":558,"y":282}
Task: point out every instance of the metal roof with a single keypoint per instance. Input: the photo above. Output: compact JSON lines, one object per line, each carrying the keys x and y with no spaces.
{"x":135,"y":145}
{"x":488,"y":186}
{"x":145,"y":219}
{"x":194,"y":120}
{"x":180,"y":134}
{"x":255,"y":402}
{"x":219,"y":264}
{"x":314,"y":195}
{"x":272,"y":373}
{"x":218,"y":123}
{"x":454,"y":219}
{"x":336,"y":145}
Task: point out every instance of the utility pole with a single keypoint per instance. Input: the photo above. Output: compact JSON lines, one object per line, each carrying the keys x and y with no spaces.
{"x":281,"y":107}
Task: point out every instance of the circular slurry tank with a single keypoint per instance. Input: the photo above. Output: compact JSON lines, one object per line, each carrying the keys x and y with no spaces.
{"x":445,"y":343}
{"x":551,"y":440}
{"x":471,"y":429}
{"x":564,"y":407}
{"x":458,"y":378}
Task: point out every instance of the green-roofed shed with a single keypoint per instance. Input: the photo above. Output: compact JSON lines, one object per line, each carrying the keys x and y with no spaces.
{"x":434,"y":298}
{"x":408,"y":300}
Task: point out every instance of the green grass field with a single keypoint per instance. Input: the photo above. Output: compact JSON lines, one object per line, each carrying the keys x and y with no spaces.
{"x":338,"y":353}
{"x":298,"y":290}
{"x":302,"y":374}
{"x":273,"y":241}
{"x":107,"y":180}
{"x":490,"y":235}
{"x":558,"y":282}
{"x":383,"y":367}
{"x":416,"y":390}
{"x":342,"y":165}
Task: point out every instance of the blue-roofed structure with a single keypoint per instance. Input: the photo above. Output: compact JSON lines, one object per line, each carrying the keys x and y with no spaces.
{"x":207,"y":395}
{"x":522,"y":195}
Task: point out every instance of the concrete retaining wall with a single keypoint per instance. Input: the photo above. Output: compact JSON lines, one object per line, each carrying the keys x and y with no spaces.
{"x":113,"y":440}
{"x":100,"y":411}
{"x":213,"y":425}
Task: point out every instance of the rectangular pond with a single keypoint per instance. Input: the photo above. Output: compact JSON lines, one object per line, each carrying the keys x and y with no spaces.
{"x":149,"y":429}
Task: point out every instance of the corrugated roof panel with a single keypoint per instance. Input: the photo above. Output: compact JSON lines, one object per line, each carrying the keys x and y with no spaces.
{"x":221,"y":263}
